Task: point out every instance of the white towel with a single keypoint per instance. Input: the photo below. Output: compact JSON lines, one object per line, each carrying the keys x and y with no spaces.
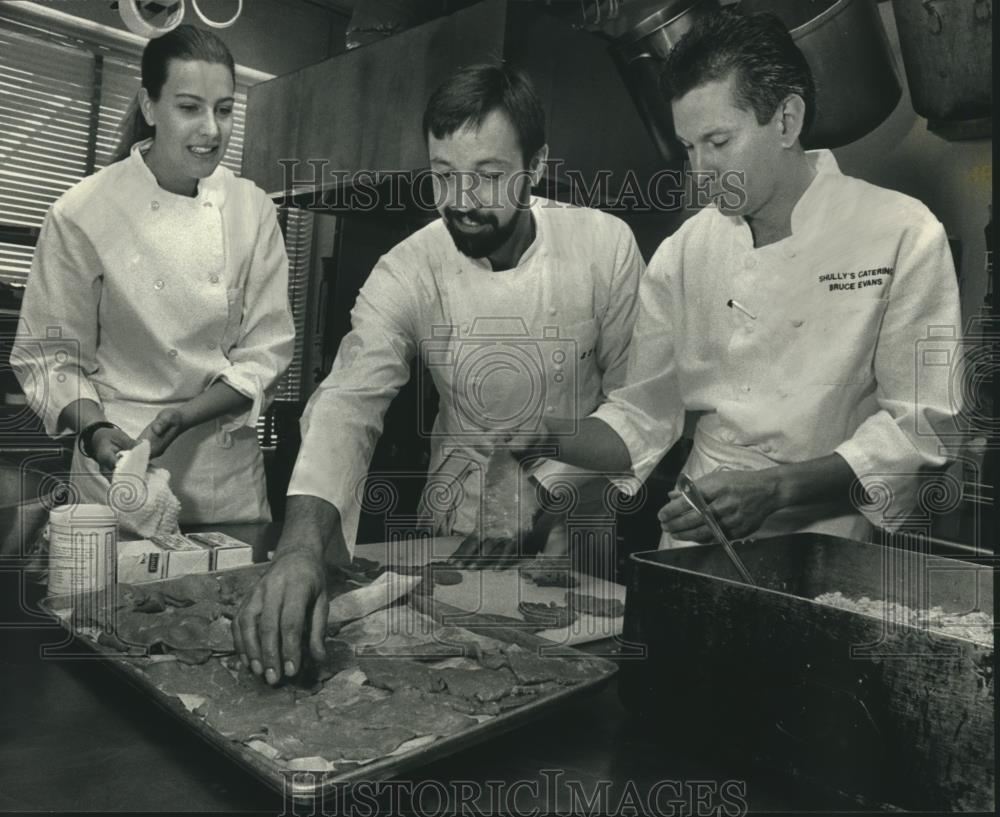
{"x":141,"y":495}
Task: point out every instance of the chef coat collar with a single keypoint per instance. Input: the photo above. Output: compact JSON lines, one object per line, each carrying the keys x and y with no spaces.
{"x":824,"y":164}
{"x":534,"y":248}
{"x":208,"y":188}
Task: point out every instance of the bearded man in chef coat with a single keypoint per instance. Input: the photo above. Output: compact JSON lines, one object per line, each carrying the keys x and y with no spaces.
{"x":521,"y":308}
{"x":800,"y":318}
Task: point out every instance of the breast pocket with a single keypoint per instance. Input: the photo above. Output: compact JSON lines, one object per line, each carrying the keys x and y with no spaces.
{"x":571,"y":365}
{"x":234,"y":318}
{"x":839,"y":348}
{"x":583,"y":336}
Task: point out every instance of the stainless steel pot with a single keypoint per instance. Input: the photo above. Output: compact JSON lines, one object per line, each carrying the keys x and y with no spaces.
{"x":640,"y":54}
{"x":857,"y":86}
{"x":947,"y":47}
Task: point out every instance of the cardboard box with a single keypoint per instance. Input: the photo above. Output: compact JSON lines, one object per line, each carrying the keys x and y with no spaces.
{"x":226,"y":551}
{"x":183,"y":555}
{"x":140,"y":561}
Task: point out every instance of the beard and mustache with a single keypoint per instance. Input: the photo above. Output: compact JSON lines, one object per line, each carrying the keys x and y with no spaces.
{"x":478,"y":233}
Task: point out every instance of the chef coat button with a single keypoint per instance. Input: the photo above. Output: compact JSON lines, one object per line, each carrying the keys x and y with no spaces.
{"x":172,"y":353}
{"x":796,"y":323}
{"x":214,"y":279}
{"x":158,"y":285}
{"x":746,"y":387}
{"x":210,"y":346}
{"x":154,"y":205}
{"x":552,"y":310}
{"x":551,"y":409}
{"x":207,"y":204}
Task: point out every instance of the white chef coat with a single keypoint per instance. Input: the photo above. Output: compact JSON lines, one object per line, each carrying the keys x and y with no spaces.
{"x":835,"y":358}
{"x":140,"y":299}
{"x":546,"y":339}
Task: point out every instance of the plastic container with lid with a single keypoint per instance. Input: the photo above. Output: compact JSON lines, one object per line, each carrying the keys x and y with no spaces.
{"x":82,"y":549}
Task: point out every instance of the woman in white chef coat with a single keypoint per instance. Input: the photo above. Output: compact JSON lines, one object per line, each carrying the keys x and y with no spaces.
{"x":157,"y":304}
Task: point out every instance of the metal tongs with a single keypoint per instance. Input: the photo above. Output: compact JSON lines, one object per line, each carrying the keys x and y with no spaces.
{"x":695,"y":499}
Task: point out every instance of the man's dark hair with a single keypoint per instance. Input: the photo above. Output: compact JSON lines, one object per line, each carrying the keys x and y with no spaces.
{"x":756,"y":48}
{"x":472,"y":93}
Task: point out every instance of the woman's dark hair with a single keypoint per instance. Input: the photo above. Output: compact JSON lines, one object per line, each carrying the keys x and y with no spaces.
{"x":472,"y":93}
{"x":183,"y":43}
{"x":756,"y":48}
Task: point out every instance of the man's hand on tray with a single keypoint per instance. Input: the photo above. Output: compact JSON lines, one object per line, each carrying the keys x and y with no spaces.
{"x":477,"y":552}
{"x":289,"y":602}
{"x":515,"y":521}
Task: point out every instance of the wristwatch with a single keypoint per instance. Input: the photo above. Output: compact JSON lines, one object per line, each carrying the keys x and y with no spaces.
{"x":86,"y":436}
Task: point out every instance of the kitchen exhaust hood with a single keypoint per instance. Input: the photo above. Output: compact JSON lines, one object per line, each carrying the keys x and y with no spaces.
{"x":313,"y":133}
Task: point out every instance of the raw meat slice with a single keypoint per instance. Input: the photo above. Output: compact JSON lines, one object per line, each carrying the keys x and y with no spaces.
{"x":404,"y":632}
{"x":550,"y":578}
{"x":211,"y":680}
{"x":549,"y":616}
{"x":186,"y":632}
{"x":423,"y":713}
{"x":142,"y":629}
{"x":531,"y":668}
{"x":395,"y":674}
{"x":607,"y":607}
{"x":485,"y":685}
{"x":549,"y":572}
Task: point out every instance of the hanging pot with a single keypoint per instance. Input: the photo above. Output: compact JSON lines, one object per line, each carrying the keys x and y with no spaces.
{"x":847,"y":49}
{"x":947,"y":48}
{"x":640,"y":54}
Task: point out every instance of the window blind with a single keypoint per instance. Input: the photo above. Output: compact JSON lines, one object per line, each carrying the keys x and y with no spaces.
{"x":298,"y":243}
{"x":46,"y":102}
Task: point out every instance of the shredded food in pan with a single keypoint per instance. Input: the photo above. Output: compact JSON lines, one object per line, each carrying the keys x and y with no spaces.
{"x":973,"y":626}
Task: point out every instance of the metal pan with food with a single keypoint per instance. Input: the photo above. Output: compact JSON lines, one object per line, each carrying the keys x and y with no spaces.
{"x":398,"y":687}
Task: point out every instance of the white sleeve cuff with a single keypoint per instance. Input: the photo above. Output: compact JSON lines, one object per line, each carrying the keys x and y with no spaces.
{"x":249,"y":386}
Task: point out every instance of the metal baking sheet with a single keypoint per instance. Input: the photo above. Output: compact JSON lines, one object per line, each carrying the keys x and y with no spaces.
{"x":309,"y":785}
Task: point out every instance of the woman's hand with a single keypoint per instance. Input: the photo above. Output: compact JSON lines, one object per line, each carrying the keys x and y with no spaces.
{"x":165,"y":428}
{"x":106,"y":444}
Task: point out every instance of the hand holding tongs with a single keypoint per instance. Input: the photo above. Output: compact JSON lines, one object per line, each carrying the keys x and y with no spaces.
{"x":695,"y":499}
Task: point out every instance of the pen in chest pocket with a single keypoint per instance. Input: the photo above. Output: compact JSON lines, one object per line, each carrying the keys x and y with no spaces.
{"x":734,"y":304}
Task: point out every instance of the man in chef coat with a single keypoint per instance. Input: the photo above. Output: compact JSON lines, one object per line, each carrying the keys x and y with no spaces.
{"x":521,"y":308}
{"x":807,"y":319}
